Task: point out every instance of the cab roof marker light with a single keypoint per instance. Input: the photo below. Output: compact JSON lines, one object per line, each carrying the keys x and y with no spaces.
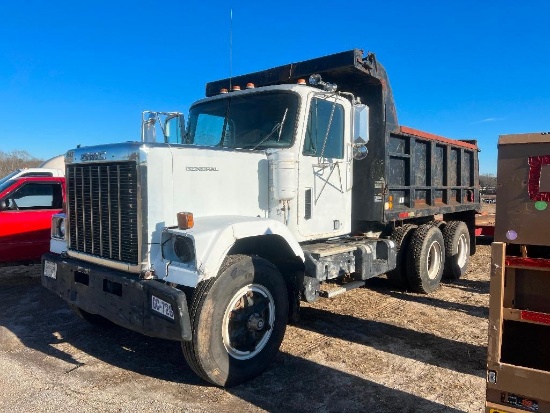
{"x":223,"y":90}
{"x":235,"y":88}
{"x":250,"y":85}
{"x":301,"y":82}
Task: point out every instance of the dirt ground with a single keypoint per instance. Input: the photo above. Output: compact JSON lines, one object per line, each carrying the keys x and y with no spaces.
{"x":373,"y":349}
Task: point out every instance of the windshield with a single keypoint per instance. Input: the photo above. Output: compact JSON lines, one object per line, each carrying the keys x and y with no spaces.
{"x":249,"y":121}
{"x":6,"y":184}
{"x":8,"y":177}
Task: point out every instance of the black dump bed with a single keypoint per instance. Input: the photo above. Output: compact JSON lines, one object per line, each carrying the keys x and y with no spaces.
{"x":407,"y":173}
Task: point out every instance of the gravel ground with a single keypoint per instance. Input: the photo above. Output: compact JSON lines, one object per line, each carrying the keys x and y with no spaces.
{"x":373,"y":349}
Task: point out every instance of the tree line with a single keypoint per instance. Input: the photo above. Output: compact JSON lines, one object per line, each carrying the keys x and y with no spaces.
{"x":487,"y":181}
{"x":10,"y":161}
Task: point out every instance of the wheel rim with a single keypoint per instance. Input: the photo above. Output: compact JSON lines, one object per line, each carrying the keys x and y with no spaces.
{"x":248,"y":321}
{"x":434,"y":260}
{"x":462,"y":251}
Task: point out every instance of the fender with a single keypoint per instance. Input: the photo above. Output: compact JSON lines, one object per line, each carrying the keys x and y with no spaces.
{"x":213,"y":238}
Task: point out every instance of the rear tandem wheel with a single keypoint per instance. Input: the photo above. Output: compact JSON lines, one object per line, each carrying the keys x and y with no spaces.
{"x":401,"y":236}
{"x":426,"y":259}
{"x":457,"y":249}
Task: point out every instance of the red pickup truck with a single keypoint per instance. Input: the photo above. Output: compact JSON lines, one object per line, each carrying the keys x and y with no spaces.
{"x":26,"y":207}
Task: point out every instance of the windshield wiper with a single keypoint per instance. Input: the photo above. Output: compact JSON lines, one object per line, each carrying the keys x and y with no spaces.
{"x":278,"y":127}
{"x":282,"y":124}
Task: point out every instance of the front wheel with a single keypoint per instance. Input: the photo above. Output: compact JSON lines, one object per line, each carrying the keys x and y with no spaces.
{"x":238,"y":319}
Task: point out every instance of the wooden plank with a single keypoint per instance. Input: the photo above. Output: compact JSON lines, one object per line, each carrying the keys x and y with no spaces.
{"x":542,"y":137}
{"x":530,"y":383}
{"x":496,"y":291}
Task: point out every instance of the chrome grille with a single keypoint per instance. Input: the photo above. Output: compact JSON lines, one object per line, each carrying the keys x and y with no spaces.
{"x":102,"y":206}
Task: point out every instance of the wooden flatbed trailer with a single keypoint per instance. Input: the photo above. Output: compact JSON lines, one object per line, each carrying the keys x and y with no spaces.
{"x":518,"y":362}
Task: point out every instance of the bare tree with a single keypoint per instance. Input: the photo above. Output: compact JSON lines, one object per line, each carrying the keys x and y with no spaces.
{"x":10,"y":161}
{"x":487,"y":180}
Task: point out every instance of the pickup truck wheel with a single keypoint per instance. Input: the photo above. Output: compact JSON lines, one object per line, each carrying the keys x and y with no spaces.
{"x":401,"y":236}
{"x":426,"y":259}
{"x":457,"y":249}
{"x":94,"y":319}
{"x":238,"y":321}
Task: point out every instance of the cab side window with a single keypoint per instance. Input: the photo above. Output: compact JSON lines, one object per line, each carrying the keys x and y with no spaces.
{"x":36,"y":196}
{"x":325,"y":130}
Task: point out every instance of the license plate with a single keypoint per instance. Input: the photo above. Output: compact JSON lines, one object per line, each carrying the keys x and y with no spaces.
{"x":162,"y":307}
{"x":50,"y":269}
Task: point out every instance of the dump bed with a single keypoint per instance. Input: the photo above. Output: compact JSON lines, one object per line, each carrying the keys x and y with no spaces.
{"x":407,"y":173}
{"x":410,"y":173}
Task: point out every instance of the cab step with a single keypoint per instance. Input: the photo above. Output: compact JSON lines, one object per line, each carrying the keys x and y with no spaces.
{"x":341,"y":290}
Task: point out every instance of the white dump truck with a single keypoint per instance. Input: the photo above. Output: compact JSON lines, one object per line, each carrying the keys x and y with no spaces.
{"x":282,"y":180}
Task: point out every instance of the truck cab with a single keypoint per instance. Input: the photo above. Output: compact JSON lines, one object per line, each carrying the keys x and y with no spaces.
{"x":292,"y":133}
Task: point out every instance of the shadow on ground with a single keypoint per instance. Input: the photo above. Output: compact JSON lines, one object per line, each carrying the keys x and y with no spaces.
{"x":40,"y":320}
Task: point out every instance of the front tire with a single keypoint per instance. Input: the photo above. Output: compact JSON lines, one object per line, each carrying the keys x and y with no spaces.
{"x":426,"y":259}
{"x":238,"y":320}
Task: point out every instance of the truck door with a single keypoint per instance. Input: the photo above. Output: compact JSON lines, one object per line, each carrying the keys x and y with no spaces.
{"x":26,"y":210}
{"x":324,"y":198}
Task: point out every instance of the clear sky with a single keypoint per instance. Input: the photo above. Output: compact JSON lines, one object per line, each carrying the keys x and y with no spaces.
{"x":75,"y":72}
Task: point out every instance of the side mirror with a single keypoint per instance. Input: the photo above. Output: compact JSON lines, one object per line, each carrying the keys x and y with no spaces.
{"x":171,"y":124}
{"x":361,"y":122}
{"x":360,"y":131}
{"x":3,"y":205}
{"x":174,"y":128}
{"x":148,"y":128}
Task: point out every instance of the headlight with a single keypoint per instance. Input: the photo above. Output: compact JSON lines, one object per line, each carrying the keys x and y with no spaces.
{"x":61,"y":228}
{"x":58,"y":227}
{"x":184,"y":249}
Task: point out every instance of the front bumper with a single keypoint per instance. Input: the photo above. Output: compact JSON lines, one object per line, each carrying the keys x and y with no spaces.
{"x":120,"y":297}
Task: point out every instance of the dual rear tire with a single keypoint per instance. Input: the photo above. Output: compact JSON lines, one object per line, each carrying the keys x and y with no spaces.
{"x":426,"y":254}
{"x":457,"y":249}
{"x":425,"y":259}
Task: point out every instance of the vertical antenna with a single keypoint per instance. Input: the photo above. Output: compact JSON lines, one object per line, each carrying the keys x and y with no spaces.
{"x":230,"y":46}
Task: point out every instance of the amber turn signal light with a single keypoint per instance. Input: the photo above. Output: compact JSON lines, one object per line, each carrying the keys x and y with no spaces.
{"x":185,"y":220}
